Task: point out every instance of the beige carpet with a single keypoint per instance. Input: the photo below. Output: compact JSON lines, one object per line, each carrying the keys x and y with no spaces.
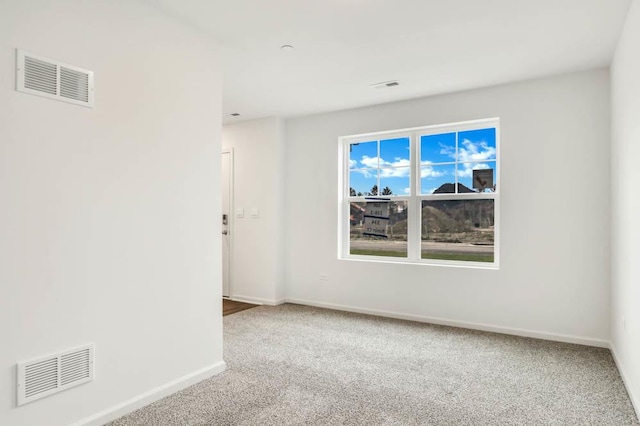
{"x":295,"y":365}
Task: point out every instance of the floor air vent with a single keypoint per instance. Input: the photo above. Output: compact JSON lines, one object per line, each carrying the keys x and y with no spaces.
{"x":45,"y":77}
{"x":54,"y":373}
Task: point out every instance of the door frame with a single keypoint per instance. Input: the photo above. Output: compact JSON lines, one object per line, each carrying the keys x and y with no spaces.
{"x":230,"y":219}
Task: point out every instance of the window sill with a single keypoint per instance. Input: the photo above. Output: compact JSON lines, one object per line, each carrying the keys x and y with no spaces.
{"x":422,"y":262}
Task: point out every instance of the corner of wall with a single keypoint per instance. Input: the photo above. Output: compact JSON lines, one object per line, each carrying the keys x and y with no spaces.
{"x":625,"y":233}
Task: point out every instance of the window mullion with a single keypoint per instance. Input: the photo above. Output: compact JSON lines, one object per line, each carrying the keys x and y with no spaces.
{"x":413,"y":216}
{"x":378,"y":179}
{"x":455,"y":187}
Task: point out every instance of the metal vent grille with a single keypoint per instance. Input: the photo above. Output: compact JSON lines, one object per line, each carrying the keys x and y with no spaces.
{"x":75,"y":366}
{"x":41,"y":377}
{"x":45,"y":77}
{"x":40,"y":75}
{"x":74,"y":84}
{"x":54,"y":373}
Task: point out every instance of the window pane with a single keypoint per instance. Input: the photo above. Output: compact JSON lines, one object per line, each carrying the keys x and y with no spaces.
{"x":437,"y":148}
{"x":363,"y":182}
{"x":437,"y":179}
{"x":363,"y":155}
{"x":395,"y":181}
{"x":394,"y":153}
{"x":483,"y":179}
{"x":395,"y":245}
{"x":458,"y":230}
{"x":477,"y":145}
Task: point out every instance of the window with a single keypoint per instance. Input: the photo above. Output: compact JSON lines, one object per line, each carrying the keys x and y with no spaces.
{"x":424,"y":195}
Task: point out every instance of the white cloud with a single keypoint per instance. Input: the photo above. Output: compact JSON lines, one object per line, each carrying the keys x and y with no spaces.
{"x":352,"y":164}
{"x":468,"y":169}
{"x":407,"y":190}
{"x":367,"y":173}
{"x":398,"y":162}
{"x":479,"y":151}
{"x":470,"y":151}
{"x":371,"y":162}
{"x":447,"y":150}
{"x":400,"y":166}
{"x":387,"y":173}
{"x":429,"y":172}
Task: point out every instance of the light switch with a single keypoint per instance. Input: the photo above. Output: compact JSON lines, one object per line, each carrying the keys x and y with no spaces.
{"x":239,"y":212}
{"x":255,"y":213}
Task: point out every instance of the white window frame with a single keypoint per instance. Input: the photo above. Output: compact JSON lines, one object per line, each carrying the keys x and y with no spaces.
{"x":415,"y":198}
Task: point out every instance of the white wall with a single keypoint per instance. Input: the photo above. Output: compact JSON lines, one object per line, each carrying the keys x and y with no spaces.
{"x":554,"y":274}
{"x":625,"y":91}
{"x":106,"y":213}
{"x":256,"y":257}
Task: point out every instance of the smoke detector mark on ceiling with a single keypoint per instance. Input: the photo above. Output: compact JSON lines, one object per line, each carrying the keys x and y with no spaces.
{"x":385,"y":84}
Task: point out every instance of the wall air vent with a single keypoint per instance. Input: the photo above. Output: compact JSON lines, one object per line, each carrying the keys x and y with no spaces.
{"x":51,"y":374}
{"x":45,"y":77}
{"x":386,"y":84}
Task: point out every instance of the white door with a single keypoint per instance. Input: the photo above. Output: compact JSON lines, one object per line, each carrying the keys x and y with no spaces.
{"x":227,"y":167}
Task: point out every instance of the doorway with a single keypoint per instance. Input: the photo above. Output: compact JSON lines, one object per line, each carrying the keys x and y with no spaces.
{"x":231,"y":307}
{"x":226,"y":190}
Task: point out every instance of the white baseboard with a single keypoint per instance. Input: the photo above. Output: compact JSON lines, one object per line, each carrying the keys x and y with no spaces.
{"x":153,"y":395}
{"x":257,"y":300}
{"x":632,"y":395}
{"x":461,"y":324}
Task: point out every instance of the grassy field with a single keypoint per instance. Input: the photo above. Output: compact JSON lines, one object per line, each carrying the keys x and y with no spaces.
{"x":469,"y":257}
{"x":390,"y":253}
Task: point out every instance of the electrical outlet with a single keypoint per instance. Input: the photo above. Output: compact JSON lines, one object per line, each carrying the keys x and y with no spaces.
{"x":324,"y":277}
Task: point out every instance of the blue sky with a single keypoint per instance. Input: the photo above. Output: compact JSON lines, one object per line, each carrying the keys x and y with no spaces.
{"x":476,"y":150}
{"x":393,"y":165}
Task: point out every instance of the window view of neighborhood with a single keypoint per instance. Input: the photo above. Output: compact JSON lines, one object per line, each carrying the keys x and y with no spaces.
{"x":455,"y":194}
{"x":458,"y":230}
{"x":395,"y":245}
